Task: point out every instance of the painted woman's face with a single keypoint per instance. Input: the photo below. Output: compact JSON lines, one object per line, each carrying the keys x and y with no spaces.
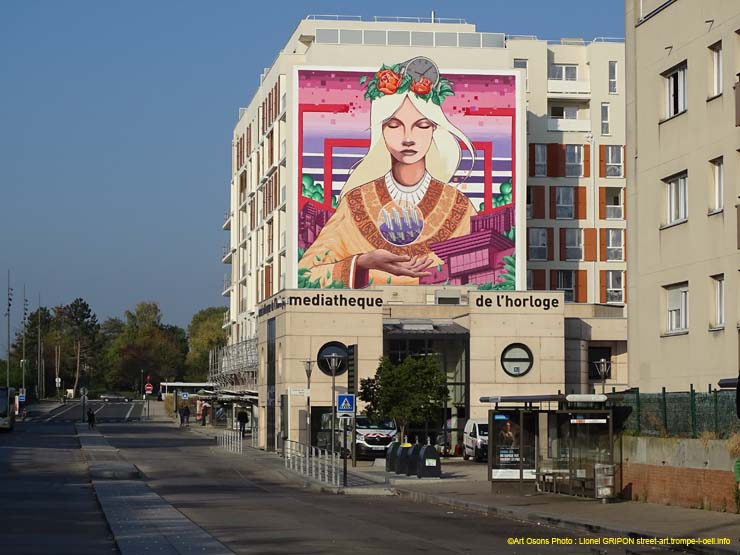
{"x":408,"y":134}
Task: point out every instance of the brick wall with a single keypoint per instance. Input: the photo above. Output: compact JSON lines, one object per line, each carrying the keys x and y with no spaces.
{"x":683,"y":487}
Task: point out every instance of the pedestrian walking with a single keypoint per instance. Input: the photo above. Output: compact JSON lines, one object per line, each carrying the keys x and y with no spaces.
{"x":186,"y":416}
{"x":242,"y":417}
{"x":203,"y":414}
{"x":90,"y":419}
{"x":181,"y":416}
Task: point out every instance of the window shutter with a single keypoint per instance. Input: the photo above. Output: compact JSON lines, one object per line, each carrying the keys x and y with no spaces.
{"x":531,"y":160}
{"x":581,"y":286}
{"x":538,"y":202}
{"x":589,"y":244}
{"x":553,"y":149}
{"x":562,"y":243}
{"x":553,"y":280}
{"x":602,"y":160}
{"x":561,"y":161}
{"x":553,"y":212}
{"x":602,"y":203}
{"x":602,"y":245}
{"x":550,"y":244}
{"x":580,"y":194}
{"x":624,"y":161}
{"x":538,"y":280}
{"x":624,"y":245}
{"x":586,"y":160}
{"x":602,"y":287}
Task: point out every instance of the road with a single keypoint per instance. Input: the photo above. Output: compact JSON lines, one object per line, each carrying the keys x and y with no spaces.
{"x":244,"y":501}
{"x":112,"y":411}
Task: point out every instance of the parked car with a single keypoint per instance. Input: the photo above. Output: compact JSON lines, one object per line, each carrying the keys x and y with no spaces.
{"x":373,"y":438}
{"x":108,"y":397}
{"x":475,"y":440}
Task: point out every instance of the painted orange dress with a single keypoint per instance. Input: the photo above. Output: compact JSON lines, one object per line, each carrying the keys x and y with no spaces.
{"x":357,"y":227}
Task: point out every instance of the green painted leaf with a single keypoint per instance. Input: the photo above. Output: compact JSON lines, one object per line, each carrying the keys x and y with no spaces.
{"x":363,"y":79}
{"x":388,"y":280}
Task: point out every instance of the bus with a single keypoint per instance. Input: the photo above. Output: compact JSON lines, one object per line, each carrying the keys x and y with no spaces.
{"x":7,"y":408}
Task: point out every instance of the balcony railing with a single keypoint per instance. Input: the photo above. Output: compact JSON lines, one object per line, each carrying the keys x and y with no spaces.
{"x":557,"y":124}
{"x":226,"y":254}
{"x":614,"y":212}
{"x":227,"y":221}
{"x":568,"y":88}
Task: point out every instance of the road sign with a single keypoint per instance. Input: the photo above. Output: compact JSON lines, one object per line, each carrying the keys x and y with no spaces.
{"x":345,"y":404}
{"x":148,"y":388}
{"x":22,"y":398}
{"x":83,"y":391}
{"x":185,"y":395}
{"x":299,"y":391}
{"x":58,"y":381}
{"x":345,"y":416}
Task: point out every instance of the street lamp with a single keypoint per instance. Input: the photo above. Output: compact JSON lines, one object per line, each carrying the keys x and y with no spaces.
{"x":307,"y":365}
{"x":333,"y":360}
{"x":603,"y":367}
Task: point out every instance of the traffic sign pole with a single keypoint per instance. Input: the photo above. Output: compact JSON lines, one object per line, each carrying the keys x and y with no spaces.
{"x":344,"y":429}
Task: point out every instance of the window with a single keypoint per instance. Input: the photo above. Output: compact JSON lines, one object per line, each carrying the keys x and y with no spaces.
{"x":564,"y":72}
{"x":718,"y":284}
{"x":604,"y":118}
{"x":564,"y":205}
{"x":676,"y":90}
{"x":614,"y":167}
{"x":574,"y":244}
{"x":573,"y":160}
{"x":564,"y":112}
{"x":677,"y":199}
{"x":529,"y":203}
{"x":716,"y":52}
{"x":599,"y":360}
{"x":522,"y":64}
{"x":718,"y":184}
{"x":614,"y":286}
{"x":614,"y":245}
{"x":614,"y":203}
{"x":567,"y":284}
{"x":537,"y":244}
{"x":613,"y":77}
{"x":677,"y":305}
{"x":540,"y":160}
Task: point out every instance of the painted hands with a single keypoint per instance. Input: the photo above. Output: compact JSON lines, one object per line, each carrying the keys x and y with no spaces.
{"x":397,"y":265}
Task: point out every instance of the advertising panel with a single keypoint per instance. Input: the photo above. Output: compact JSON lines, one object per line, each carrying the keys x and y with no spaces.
{"x":407,"y":175}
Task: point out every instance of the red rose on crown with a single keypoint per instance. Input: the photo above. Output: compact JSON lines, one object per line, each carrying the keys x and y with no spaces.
{"x":388,"y":81}
{"x":422,"y":86}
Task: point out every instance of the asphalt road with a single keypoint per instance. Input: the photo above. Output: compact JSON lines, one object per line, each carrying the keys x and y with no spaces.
{"x":113,"y":411}
{"x":48,"y":504}
{"x":245,"y":502}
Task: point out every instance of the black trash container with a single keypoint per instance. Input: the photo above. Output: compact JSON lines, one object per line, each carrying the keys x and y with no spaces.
{"x":413,"y":460}
{"x":390,"y":457}
{"x":429,"y":465}
{"x":402,"y":458}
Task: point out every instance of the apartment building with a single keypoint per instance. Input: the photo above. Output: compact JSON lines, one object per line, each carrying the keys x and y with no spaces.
{"x":683,"y":193}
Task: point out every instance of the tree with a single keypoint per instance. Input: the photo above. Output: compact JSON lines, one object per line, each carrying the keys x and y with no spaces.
{"x":413,"y":391}
{"x":205,"y":333}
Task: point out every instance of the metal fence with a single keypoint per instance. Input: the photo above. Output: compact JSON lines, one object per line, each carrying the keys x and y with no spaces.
{"x":680,"y":414}
{"x":312,"y":462}
{"x":231,"y":441}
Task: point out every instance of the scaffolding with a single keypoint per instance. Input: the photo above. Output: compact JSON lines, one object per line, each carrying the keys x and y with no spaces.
{"x":234,"y":367}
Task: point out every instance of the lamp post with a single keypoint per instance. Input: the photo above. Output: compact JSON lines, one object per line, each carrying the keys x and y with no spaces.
{"x":307,"y":365}
{"x":333,"y":361}
{"x":603,"y":366}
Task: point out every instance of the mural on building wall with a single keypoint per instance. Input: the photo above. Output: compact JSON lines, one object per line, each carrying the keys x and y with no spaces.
{"x":407,"y":176}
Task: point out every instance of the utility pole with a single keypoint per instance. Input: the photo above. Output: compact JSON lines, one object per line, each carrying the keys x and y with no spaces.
{"x":39,"y":362}
{"x":7,"y":314}
{"x":25,"y":324}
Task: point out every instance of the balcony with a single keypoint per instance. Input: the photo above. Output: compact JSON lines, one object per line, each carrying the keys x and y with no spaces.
{"x":614,"y":212}
{"x":737,"y":101}
{"x":557,"y":124}
{"x":227,"y":221}
{"x":227,"y":320}
{"x":557,"y":88}
{"x":226,"y":254}
{"x":226,"y":291}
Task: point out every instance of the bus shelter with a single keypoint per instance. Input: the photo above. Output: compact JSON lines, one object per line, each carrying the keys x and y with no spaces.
{"x":568,"y":449}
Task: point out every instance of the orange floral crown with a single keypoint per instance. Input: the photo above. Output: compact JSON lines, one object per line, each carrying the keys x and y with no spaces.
{"x":396,"y":80}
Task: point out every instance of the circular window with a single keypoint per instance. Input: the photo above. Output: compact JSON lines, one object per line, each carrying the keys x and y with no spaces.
{"x":329,"y":349}
{"x":517,"y":359}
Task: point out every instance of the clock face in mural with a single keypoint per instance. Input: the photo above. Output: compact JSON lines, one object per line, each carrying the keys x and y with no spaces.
{"x":420,"y":67}
{"x":517,"y":360}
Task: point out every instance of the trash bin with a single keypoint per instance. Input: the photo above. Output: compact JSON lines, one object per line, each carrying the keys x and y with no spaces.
{"x":402,"y":458}
{"x":413,"y":460}
{"x":390,"y":456}
{"x":429,"y":465}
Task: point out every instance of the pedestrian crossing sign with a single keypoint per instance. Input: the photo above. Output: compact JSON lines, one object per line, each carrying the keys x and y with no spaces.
{"x":345,"y":404}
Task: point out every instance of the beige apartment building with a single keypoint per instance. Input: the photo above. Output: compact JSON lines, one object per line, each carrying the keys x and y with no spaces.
{"x":568,"y":180}
{"x":683,"y":192}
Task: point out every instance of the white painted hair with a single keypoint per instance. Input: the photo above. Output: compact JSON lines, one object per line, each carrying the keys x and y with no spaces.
{"x":444,"y":154}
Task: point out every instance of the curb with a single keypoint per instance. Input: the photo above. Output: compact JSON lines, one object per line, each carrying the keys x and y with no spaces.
{"x":557,"y":522}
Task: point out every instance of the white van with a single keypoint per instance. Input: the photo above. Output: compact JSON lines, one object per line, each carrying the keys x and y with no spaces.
{"x":475,"y":440}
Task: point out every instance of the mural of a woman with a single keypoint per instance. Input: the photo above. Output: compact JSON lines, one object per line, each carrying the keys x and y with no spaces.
{"x":398,"y":200}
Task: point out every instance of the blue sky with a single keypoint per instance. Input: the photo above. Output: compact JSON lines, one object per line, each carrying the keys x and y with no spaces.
{"x":115,"y":126}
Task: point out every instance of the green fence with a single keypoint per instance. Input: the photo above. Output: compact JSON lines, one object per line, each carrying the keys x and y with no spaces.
{"x":680,"y":414}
